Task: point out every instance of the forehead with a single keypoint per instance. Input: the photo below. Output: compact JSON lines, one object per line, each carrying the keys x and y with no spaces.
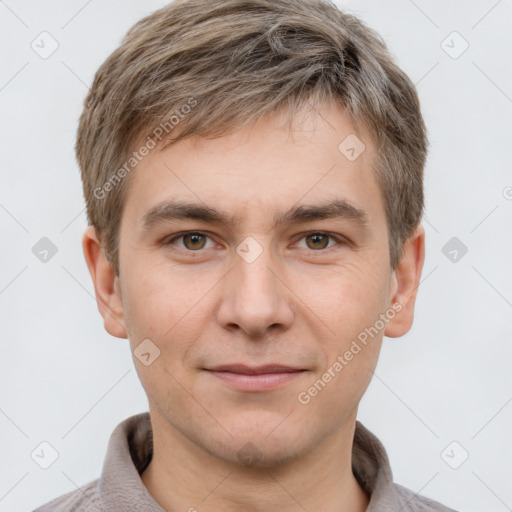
{"x":263,"y":169}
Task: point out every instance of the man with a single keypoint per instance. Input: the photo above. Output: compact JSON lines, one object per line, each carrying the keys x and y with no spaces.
{"x":253,"y":178}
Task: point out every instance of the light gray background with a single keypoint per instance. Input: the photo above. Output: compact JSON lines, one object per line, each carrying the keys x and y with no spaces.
{"x":64,"y":380}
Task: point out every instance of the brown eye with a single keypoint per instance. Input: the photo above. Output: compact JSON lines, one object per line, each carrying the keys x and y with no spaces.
{"x":194,"y":241}
{"x":317,"y":241}
{"x":191,"y":241}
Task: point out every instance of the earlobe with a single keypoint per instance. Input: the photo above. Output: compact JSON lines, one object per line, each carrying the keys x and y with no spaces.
{"x":106,"y":284}
{"x":406,"y":280}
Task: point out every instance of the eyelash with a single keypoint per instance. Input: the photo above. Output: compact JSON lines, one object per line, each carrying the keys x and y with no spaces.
{"x":177,"y":236}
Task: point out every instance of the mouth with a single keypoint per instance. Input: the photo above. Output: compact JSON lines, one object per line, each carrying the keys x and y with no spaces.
{"x":255,"y":378}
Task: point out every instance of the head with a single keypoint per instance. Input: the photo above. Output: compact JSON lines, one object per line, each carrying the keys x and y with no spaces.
{"x":253,"y":179}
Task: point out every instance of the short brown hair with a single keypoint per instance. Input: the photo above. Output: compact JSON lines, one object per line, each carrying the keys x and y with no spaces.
{"x":216,"y":65}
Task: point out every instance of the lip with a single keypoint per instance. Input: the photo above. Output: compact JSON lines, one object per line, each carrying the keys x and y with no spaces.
{"x":253,"y":370}
{"x":255,"y":378}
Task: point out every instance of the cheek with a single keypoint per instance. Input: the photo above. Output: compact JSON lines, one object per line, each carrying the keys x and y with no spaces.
{"x":158,"y":296}
{"x":349,"y":296}
{"x":352,"y":311}
{"x":166,"y":318}
{"x":173,"y":313}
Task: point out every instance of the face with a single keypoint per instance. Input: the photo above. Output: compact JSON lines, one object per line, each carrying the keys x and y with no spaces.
{"x":254,"y":263}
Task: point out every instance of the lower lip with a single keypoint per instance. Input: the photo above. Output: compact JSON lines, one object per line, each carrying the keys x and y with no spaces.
{"x":256,"y":382}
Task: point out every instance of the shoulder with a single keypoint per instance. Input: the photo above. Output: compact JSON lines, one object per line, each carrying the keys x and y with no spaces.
{"x":85,"y":499}
{"x":412,"y":502}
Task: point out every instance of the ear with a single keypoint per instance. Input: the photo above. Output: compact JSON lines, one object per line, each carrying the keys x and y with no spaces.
{"x":106,"y":284}
{"x":405,"y":282}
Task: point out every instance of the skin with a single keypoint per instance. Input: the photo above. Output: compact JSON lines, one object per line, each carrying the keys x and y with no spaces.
{"x":299,"y":304}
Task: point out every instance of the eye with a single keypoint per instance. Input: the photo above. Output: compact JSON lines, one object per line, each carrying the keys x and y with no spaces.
{"x":319,"y":241}
{"x":192,"y":240}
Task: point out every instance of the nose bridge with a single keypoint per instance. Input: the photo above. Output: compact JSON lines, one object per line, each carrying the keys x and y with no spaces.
{"x":255,"y":298}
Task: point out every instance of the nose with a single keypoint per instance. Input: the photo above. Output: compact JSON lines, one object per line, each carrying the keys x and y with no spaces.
{"x":256,"y":297}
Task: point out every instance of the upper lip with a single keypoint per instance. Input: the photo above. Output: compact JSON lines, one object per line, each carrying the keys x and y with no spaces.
{"x":253,"y":370}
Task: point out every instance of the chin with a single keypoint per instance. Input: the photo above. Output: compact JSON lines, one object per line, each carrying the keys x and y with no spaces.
{"x":262,"y":445}
{"x":261,"y":453}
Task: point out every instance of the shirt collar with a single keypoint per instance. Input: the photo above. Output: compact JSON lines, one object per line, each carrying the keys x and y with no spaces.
{"x":130,"y":450}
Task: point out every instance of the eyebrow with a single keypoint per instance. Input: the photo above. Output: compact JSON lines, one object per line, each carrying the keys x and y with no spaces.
{"x":176,"y":209}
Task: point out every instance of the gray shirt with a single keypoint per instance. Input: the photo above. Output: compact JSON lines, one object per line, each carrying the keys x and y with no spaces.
{"x":130,"y":449}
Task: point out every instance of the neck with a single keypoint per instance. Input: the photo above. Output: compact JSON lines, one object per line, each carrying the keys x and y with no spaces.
{"x":182,"y":476}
